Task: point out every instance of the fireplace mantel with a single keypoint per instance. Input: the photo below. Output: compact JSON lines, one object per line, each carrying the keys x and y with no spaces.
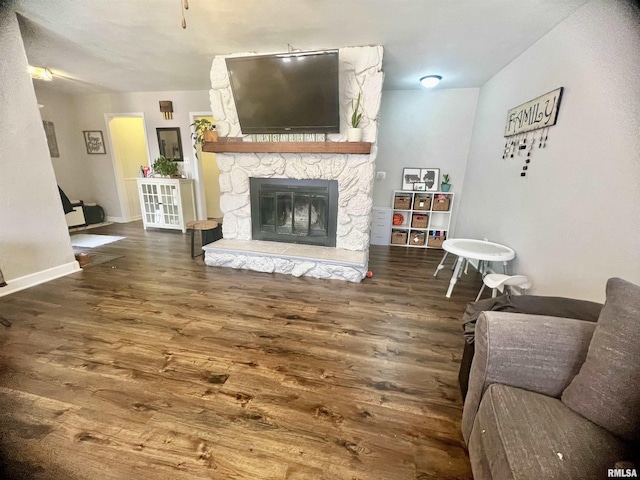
{"x":288,"y":147}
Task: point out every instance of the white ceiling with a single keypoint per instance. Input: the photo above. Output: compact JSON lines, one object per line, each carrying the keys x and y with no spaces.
{"x":139,"y":45}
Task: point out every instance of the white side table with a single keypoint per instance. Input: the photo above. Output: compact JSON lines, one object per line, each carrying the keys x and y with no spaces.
{"x":467,"y":248}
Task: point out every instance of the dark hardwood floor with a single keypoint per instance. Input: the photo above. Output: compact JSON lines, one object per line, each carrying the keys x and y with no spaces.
{"x":155,"y":366}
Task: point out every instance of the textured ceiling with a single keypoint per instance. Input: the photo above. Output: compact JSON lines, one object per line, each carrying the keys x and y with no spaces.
{"x":139,"y":45}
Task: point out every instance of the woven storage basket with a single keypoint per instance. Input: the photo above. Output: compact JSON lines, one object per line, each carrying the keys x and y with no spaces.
{"x":417,"y":238}
{"x":402,"y":202}
{"x":422,"y":203}
{"x":435,"y":241}
{"x":398,"y":237}
{"x":441,"y":204}
{"x":419,"y":220}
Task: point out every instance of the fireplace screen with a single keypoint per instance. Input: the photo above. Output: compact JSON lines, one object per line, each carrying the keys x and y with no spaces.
{"x":295,"y":211}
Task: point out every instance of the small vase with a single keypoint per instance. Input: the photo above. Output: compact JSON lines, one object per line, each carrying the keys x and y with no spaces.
{"x":445,"y":187}
{"x":354,"y":134}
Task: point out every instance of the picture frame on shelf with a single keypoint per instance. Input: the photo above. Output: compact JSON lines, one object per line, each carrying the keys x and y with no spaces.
{"x":409,"y":177}
{"x":420,"y":186}
{"x":94,"y":142}
{"x":431,"y":179}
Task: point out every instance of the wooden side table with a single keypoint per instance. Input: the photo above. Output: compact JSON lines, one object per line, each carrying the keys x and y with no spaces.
{"x":208,"y":229}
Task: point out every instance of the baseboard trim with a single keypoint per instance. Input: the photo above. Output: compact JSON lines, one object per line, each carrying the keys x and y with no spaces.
{"x":109,"y":218}
{"x":33,"y":279}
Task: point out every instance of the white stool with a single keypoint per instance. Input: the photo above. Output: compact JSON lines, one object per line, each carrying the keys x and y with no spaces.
{"x":497,"y":281}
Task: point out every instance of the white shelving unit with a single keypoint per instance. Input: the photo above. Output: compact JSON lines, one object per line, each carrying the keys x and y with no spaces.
{"x":167,"y":202}
{"x":420,"y":219}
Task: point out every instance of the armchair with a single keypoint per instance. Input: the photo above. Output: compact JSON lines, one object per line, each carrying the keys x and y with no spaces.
{"x":73,"y":211}
{"x":522,"y":419}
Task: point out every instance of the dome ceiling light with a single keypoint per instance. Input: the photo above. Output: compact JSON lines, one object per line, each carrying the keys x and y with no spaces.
{"x":430,"y":81}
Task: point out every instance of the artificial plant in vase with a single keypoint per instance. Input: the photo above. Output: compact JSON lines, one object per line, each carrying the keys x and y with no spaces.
{"x":165,"y":167}
{"x":354,"y":133}
{"x":445,"y":186}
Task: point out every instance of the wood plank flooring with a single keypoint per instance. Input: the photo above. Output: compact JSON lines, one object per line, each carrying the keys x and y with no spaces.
{"x":155,"y":366}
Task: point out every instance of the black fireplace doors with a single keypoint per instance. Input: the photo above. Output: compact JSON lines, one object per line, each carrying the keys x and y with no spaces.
{"x":294,"y":211}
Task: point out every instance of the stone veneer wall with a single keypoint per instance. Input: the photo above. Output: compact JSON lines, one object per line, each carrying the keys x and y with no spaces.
{"x":360,"y":71}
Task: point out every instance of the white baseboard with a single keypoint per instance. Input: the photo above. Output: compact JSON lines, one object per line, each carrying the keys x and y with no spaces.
{"x":122,"y":219}
{"x":37,"y":278}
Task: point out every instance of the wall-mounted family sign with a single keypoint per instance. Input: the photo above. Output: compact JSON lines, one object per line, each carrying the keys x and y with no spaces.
{"x":539,"y":113}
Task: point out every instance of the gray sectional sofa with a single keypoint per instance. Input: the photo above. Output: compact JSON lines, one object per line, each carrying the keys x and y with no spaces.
{"x":556,"y":398}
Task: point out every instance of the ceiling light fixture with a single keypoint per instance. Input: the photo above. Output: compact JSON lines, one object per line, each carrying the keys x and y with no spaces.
{"x":40,"y":73}
{"x":430,"y":81}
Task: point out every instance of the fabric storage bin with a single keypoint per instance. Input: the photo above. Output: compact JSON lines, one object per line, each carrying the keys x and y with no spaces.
{"x":422,"y":202}
{"x":441,"y":203}
{"x":419,"y":221}
{"x":402,"y":202}
{"x":398,"y":237}
{"x":435,"y":241}
{"x":417,"y":238}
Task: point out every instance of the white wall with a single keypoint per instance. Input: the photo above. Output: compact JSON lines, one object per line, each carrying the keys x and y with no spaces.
{"x":574,"y":220}
{"x":425,"y":129}
{"x":91,"y":177}
{"x":34,"y":241}
{"x":70,"y":168}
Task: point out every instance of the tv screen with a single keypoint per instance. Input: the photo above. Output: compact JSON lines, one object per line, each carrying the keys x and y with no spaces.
{"x":287,"y":92}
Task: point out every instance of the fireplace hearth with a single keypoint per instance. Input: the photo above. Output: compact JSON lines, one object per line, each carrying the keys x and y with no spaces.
{"x":294,"y":211}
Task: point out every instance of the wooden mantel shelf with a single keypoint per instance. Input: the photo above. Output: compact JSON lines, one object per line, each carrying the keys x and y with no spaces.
{"x":288,"y":147}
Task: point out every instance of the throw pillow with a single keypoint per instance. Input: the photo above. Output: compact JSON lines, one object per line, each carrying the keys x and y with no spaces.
{"x":607,"y":388}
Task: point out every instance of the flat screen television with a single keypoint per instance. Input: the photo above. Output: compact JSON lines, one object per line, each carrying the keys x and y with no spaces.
{"x":286,"y":93}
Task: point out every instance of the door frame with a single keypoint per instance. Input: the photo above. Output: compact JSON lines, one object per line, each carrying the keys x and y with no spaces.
{"x":118,"y":173}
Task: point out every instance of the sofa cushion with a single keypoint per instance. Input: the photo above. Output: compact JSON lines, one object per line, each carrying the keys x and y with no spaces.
{"x":526,"y":435}
{"x":607,"y":388}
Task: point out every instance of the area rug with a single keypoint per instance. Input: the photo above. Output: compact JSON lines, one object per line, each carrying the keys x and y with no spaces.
{"x":88,"y":240}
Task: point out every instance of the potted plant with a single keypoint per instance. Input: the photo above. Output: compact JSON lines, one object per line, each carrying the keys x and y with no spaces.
{"x":203,"y":131}
{"x":445,"y":186}
{"x":354,"y":133}
{"x":165,"y":167}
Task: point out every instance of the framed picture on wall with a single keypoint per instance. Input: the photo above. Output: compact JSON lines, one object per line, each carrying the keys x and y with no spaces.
{"x":50,"y":132}
{"x":409,"y":177}
{"x":431,"y":179}
{"x":94,"y":141}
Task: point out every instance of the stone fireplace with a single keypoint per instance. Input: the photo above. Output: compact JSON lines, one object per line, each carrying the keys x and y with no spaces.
{"x":351,"y":175}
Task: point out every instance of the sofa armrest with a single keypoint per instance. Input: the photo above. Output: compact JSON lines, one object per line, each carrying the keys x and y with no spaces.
{"x":534,"y":352}
{"x":532,"y":304}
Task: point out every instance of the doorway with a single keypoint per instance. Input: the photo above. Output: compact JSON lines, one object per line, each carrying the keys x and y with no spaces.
{"x":207,"y":175}
{"x":128,"y":138}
